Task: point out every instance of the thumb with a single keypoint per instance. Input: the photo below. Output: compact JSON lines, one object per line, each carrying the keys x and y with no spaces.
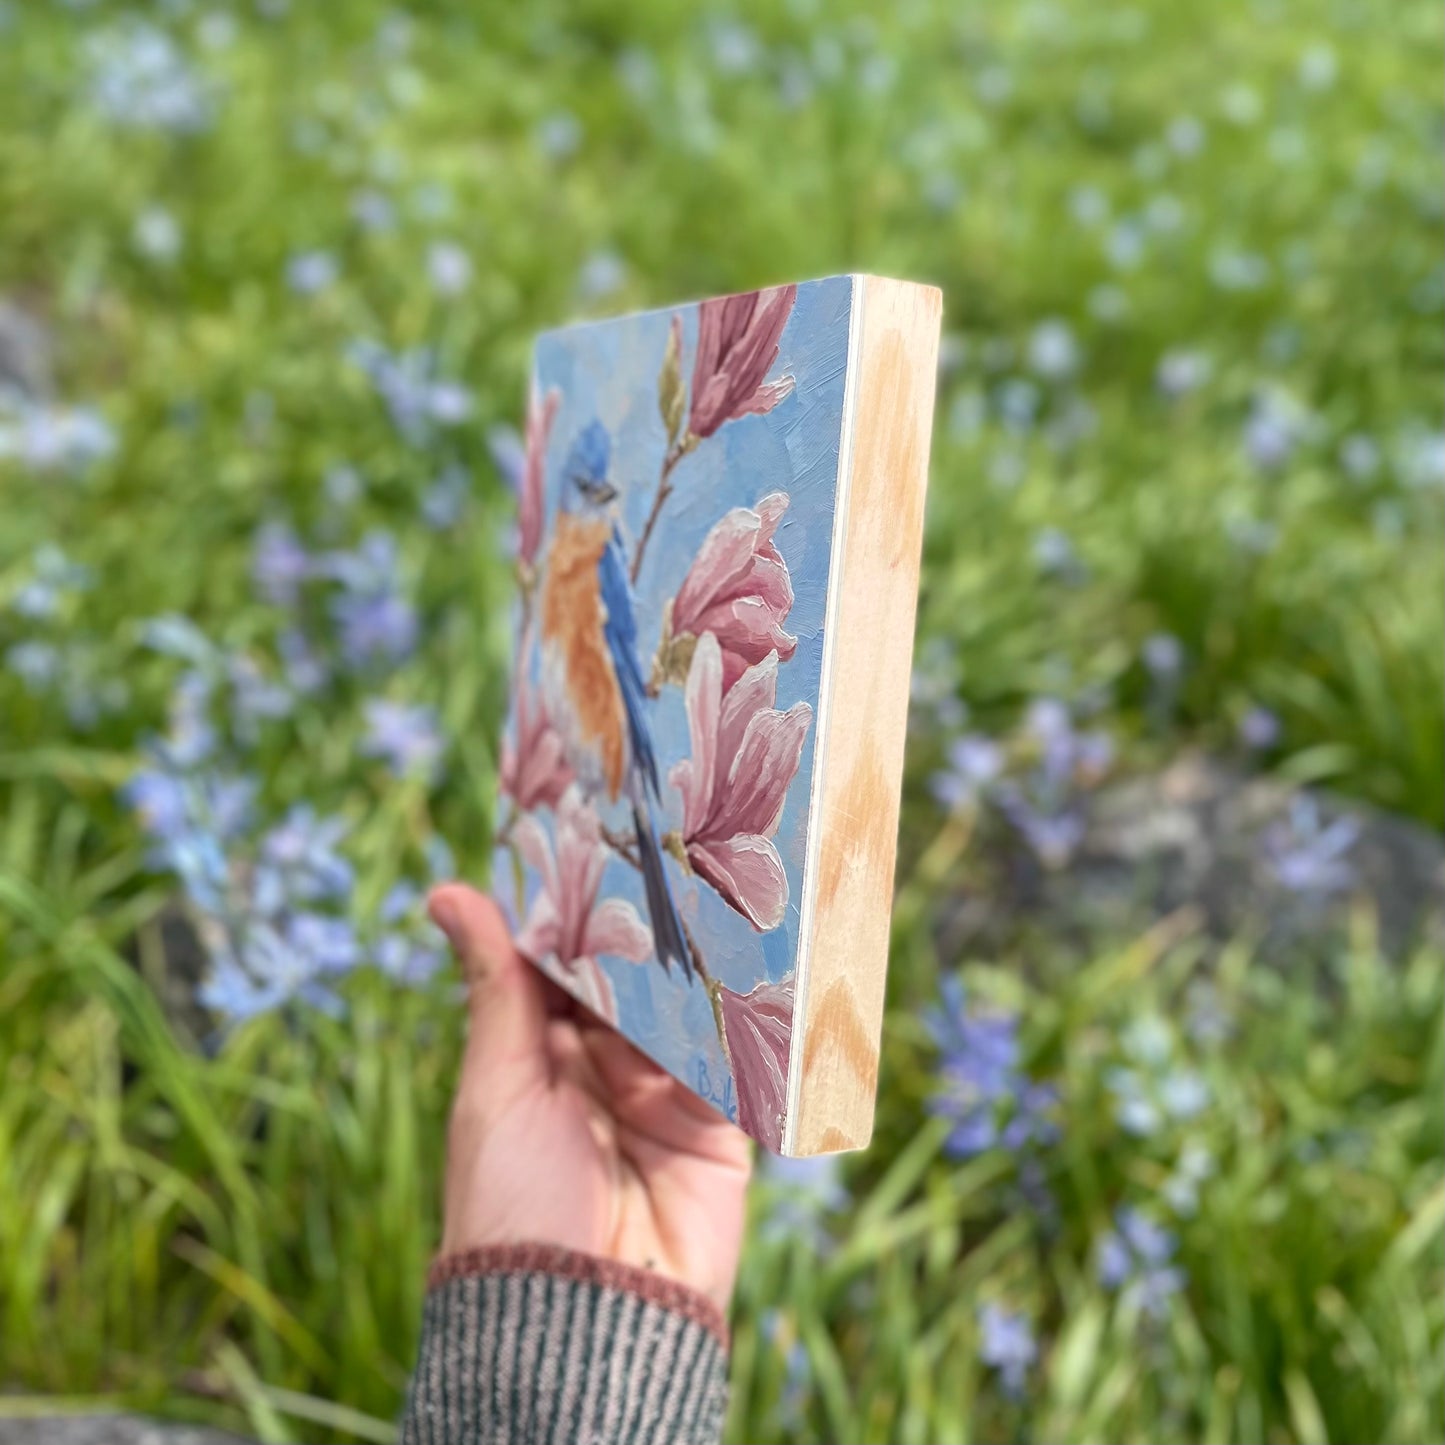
{"x":506,"y":1045}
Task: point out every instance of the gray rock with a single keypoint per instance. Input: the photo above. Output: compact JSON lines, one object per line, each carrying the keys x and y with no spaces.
{"x":1204,"y":835}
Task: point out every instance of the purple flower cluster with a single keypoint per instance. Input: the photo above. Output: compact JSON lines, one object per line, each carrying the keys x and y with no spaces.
{"x":1309,"y":856}
{"x":1036,"y":779}
{"x":1006,"y":1344}
{"x":140,"y":80}
{"x":1135,"y":1257}
{"x":983,"y":1090}
{"x":417,"y":397}
{"x":1153,"y":1087}
{"x":46,"y":437}
{"x":274,"y":898}
{"x":272,"y":906}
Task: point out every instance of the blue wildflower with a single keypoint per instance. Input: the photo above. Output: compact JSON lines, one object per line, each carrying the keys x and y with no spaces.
{"x":309,"y":272}
{"x":449,"y":268}
{"x":305,"y":671}
{"x":1185,"y":136}
{"x":279,"y":564}
{"x":1259,"y":729}
{"x":1359,"y":456}
{"x":177,"y":636}
{"x":375,"y":627}
{"x":1181,"y":1190}
{"x":445,"y":499}
{"x":49,"y":438}
{"x":1007,"y":1345}
{"x":408,"y":739}
{"x":328,"y":945}
{"x":55,"y":578}
{"x":37,"y":664}
{"x":559,"y":135}
{"x":1182,"y":371}
{"x":1056,"y":556}
{"x":603,"y":274}
{"x":1309,"y":856}
{"x":1234,"y":270}
{"x":801,"y":1193}
{"x":1134,"y":1258}
{"x":190,"y":738}
{"x":982,"y":1087}
{"x":415,"y":396}
{"x":1017,"y":401}
{"x":139,"y":79}
{"x":1053,"y":351}
{"x":303,"y":852}
{"x":1163,"y":656}
{"x":1043,"y":803}
{"x":974,"y":761}
{"x":255,"y":697}
{"x":160,"y":799}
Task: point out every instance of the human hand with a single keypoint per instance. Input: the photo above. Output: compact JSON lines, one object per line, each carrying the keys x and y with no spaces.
{"x":562,"y":1133}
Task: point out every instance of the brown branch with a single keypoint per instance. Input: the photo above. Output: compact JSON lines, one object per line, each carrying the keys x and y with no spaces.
{"x":620,"y":844}
{"x":675,"y":454}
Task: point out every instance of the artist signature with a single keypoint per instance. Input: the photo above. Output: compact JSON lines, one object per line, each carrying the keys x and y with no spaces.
{"x":723,"y":1097}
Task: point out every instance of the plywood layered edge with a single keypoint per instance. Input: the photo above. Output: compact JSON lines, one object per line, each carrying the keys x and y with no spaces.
{"x":863,"y":716}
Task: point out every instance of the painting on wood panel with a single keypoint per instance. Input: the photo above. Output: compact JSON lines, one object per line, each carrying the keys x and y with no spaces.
{"x":676,"y":529}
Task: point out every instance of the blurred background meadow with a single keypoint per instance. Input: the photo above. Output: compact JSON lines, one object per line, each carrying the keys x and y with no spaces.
{"x":1159,"y":1144}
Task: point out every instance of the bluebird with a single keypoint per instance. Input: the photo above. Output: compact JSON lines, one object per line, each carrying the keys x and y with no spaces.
{"x":591,"y":670}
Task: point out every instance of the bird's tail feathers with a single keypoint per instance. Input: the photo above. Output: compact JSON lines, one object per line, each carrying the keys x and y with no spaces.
{"x":668,"y":938}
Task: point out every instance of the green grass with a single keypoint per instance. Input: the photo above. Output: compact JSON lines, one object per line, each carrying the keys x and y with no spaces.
{"x":236,"y":1228}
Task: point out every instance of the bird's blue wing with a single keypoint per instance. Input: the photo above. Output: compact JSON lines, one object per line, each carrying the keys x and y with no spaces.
{"x":620,"y":634}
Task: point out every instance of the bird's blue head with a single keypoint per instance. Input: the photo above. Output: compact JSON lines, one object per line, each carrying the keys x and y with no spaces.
{"x":585,"y":469}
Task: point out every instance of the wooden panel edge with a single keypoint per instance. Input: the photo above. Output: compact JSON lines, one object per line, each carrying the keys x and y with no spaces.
{"x":855,"y":826}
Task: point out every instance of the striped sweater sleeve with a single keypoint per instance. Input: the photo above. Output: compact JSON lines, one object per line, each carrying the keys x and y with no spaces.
{"x":532,"y":1344}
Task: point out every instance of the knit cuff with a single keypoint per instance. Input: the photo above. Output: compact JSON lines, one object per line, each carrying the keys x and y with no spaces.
{"x":538,"y":1344}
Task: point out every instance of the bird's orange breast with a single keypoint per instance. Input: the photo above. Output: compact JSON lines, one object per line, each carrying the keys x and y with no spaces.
{"x":572,"y":618}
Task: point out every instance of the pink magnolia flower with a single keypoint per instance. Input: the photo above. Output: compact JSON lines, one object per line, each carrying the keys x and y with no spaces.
{"x":534,"y":769}
{"x":566,"y":927}
{"x":757,"y":1031}
{"x":531,"y":502}
{"x":745,"y":755}
{"x":738,"y":589}
{"x":737,"y":343}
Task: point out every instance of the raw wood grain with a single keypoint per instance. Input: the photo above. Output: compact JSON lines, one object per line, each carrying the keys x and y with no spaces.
{"x":864,"y":715}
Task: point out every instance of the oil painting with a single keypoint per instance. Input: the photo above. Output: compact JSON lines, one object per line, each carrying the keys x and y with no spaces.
{"x":675,"y":526}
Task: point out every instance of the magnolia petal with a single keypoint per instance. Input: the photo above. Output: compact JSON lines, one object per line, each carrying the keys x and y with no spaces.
{"x":540,"y":936}
{"x":531,"y":504}
{"x":748,"y":874}
{"x":581,"y":857}
{"x":737,"y":343}
{"x":702,"y":698}
{"x":721,"y":563}
{"x":616,"y":928}
{"x":758,"y":1030}
{"x":770,"y":511}
{"x":754,"y":691}
{"x":535,"y":849}
{"x":766,"y":397}
{"x":763,"y":770}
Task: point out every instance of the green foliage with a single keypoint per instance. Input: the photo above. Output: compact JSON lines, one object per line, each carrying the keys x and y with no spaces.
{"x":236,"y":1227}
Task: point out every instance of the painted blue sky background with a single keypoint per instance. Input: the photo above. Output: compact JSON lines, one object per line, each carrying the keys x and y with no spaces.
{"x":608,"y":371}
